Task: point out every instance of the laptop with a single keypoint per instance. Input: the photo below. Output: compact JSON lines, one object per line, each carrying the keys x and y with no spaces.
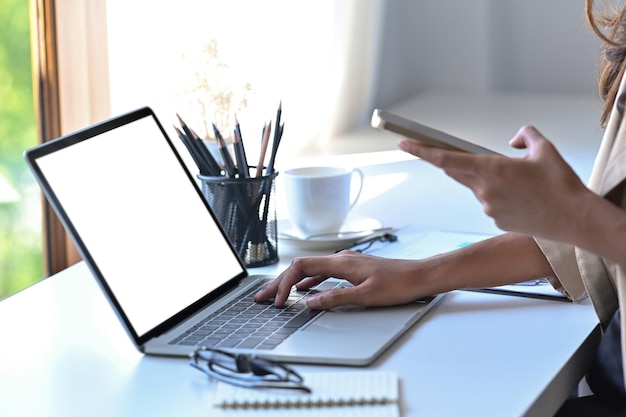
{"x":141,"y":224}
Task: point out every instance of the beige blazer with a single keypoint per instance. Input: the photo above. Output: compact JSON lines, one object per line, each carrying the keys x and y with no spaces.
{"x":581,"y":272}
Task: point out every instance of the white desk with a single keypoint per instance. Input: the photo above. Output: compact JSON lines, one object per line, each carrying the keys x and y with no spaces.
{"x":65,"y":354}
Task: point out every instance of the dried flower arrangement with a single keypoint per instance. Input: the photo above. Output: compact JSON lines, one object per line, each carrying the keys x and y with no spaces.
{"x":212,"y":92}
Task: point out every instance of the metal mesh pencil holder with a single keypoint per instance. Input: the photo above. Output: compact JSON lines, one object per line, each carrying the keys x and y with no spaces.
{"x":245,"y":207}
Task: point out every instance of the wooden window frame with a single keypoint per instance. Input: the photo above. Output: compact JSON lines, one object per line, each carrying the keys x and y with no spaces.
{"x":71,"y":90}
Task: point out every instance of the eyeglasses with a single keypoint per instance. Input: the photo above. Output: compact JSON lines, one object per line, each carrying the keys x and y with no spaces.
{"x":245,"y":370}
{"x":366,"y":244}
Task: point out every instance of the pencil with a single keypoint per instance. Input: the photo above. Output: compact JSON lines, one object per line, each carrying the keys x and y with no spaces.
{"x":191,"y":151}
{"x":184,"y":126}
{"x":275,"y":144}
{"x":265,"y":140}
{"x":240,"y":152}
{"x":212,"y":164}
{"x":194,"y":147}
{"x":228,"y":160}
{"x":277,"y":136}
{"x":554,"y":297}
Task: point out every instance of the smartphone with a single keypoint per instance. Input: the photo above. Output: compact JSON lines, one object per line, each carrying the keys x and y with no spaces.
{"x":385,"y":120}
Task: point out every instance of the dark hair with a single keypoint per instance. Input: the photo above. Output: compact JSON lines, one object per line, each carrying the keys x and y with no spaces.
{"x":611,"y":29}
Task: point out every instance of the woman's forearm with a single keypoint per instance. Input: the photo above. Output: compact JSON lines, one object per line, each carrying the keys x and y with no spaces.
{"x":504,"y":259}
{"x":600,"y":229}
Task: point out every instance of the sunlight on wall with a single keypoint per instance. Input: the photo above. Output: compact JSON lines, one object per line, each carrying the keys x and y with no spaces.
{"x":282,"y":48}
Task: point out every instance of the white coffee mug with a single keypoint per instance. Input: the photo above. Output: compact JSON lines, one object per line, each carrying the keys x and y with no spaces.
{"x":319,"y":198}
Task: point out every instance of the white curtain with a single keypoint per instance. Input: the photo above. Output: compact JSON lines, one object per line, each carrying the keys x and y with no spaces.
{"x":359,"y":29}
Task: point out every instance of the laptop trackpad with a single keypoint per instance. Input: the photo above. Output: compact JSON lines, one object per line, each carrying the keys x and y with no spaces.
{"x":357,"y":318}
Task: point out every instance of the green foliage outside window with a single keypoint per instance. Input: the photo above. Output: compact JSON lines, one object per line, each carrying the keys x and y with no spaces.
{"x":20,"y":221}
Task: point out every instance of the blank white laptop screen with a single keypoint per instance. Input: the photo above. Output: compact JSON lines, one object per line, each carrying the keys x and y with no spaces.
{"x":141,"y":204}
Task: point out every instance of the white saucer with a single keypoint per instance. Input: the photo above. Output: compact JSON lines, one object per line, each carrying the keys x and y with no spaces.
{"x":352,"y":230}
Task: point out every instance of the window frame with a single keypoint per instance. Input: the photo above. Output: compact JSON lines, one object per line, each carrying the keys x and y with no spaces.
{"x":71,"y":90}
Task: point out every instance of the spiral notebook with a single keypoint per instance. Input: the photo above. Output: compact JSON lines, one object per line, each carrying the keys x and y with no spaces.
{"x":345,"y":394}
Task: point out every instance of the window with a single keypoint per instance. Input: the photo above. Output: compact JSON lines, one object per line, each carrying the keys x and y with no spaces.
{"x":132,"y":54}
{"x":190,"y":56}
{"x":21,"y":262}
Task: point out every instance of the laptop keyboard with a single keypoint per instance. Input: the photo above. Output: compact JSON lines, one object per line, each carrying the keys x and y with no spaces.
{"x":246,"y":324}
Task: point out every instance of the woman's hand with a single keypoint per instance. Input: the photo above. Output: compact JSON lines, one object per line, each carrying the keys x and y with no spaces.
{"x":503,"y":259}
{"x":377,"y":281}
{"x":538,"y":194}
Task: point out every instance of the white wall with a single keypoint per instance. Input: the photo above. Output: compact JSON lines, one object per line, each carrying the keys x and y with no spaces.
{"x":474,"y":46}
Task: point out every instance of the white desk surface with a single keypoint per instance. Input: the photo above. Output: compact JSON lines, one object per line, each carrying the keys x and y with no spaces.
{"x":65,"y":354}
